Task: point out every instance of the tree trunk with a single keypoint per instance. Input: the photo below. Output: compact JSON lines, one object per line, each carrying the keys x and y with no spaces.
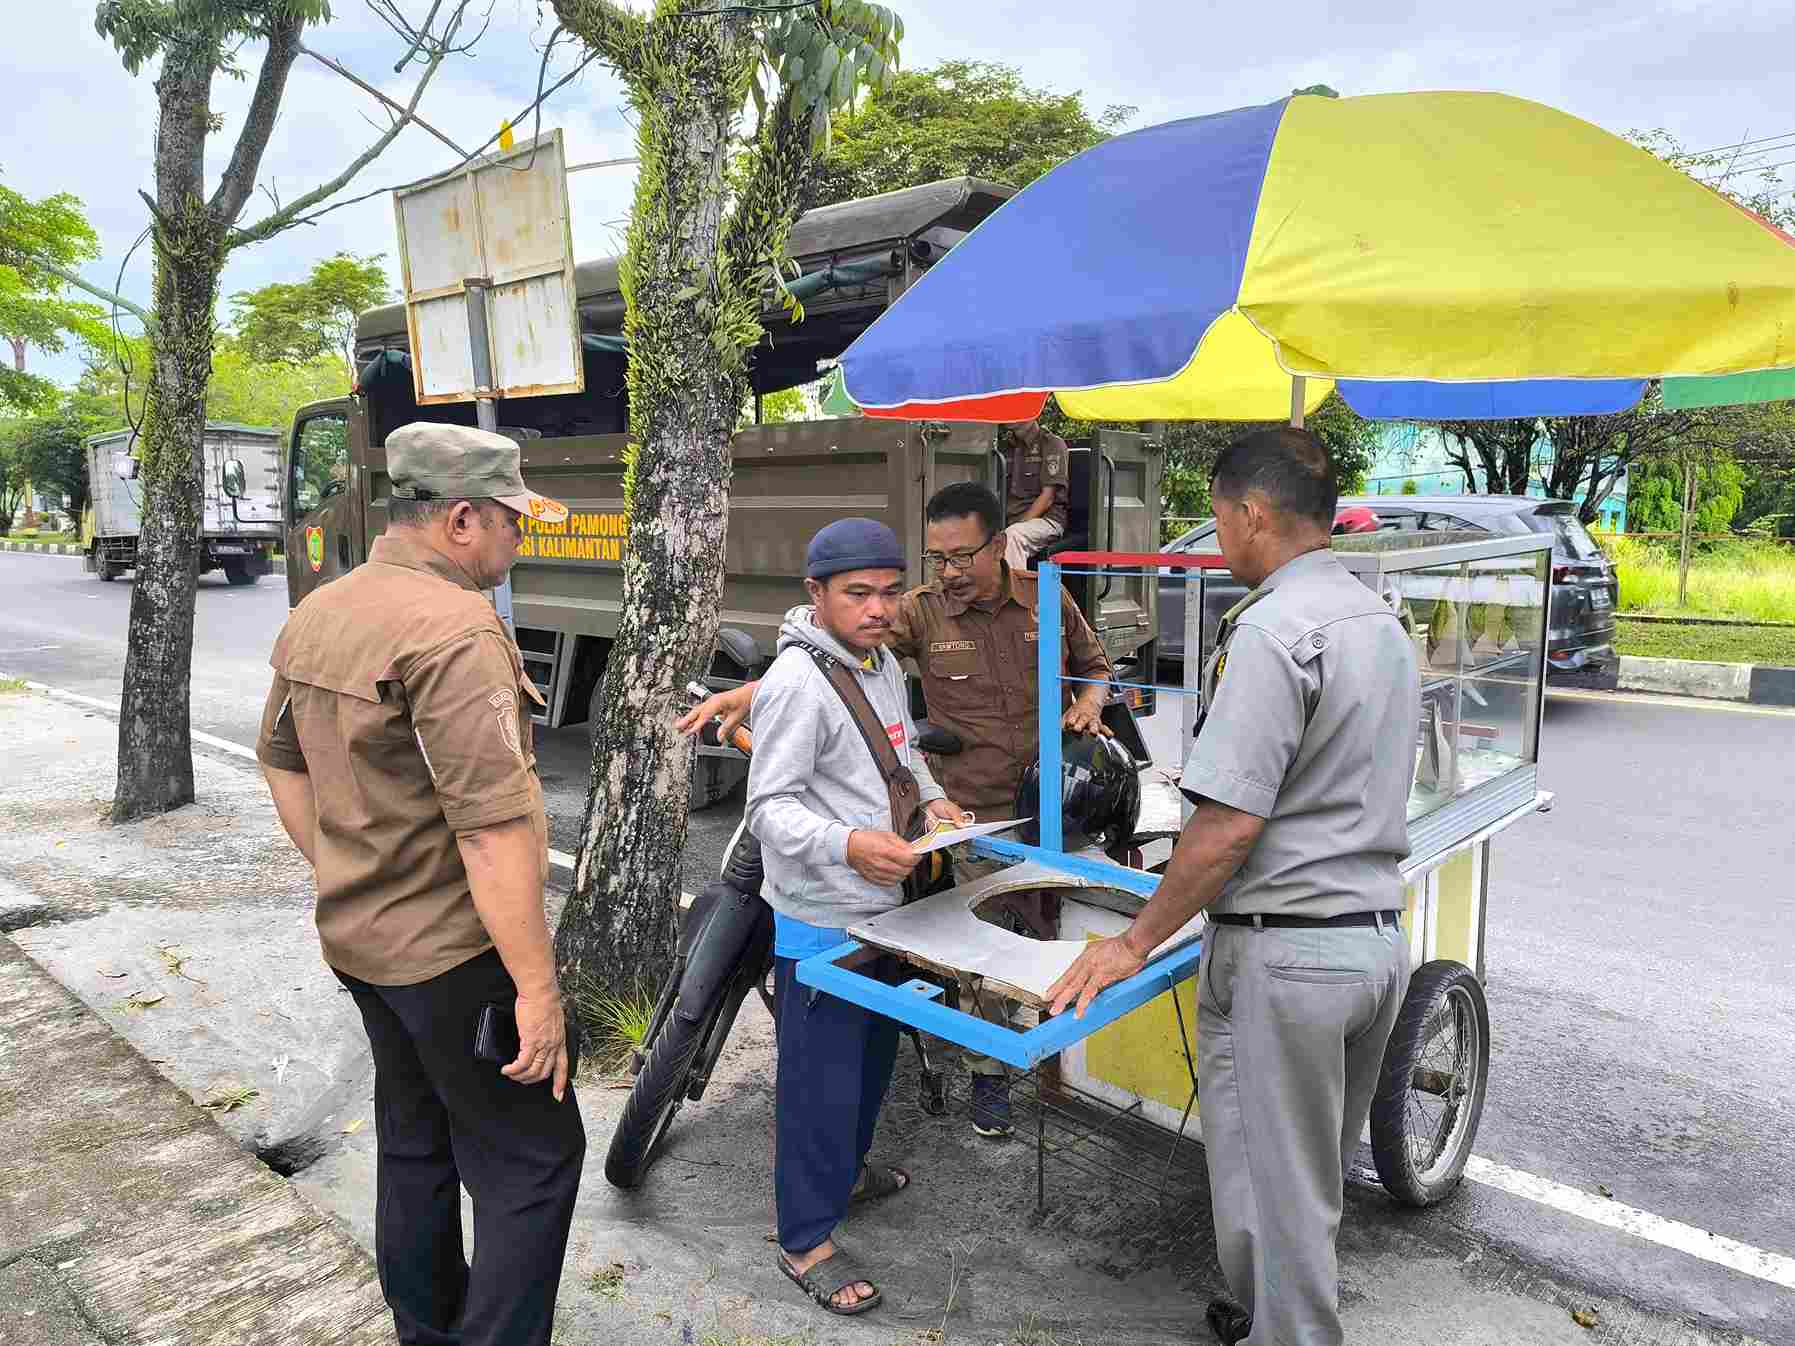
{"x":1683,"y":544}
{"x":18,"y":353}
{"x":614,"y":932}
{"x":155,"y":756}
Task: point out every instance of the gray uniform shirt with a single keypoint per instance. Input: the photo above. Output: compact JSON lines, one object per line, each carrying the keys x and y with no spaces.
{"x":1313,"y":701}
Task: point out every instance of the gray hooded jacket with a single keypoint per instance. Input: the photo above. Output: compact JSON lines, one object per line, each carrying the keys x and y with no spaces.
{"x":812,"y":779}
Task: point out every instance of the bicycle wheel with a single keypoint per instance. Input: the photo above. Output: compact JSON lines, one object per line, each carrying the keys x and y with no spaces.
{"x":656,"y":1096}
{"x":1430,"y":1093}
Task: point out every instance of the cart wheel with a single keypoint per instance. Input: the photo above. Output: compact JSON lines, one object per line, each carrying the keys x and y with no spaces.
{"x":1430,"y":1093}
{"x":934,"y":1093}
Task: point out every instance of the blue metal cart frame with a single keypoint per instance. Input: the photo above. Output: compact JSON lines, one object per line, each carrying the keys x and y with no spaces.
{"x":914,"y":1003}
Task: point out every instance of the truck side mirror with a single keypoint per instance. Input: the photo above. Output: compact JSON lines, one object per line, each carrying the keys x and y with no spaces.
{"x":124,"y":467}
{"x":232,"y":478}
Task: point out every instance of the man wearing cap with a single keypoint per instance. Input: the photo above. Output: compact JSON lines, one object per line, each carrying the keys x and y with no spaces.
{"x":820,"y":805}
{"x":971,"y":632}
{"x":1035,"y":501}
{"x":397,"y":744}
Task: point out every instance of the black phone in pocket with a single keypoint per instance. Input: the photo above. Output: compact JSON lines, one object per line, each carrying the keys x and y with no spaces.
{"x":495,"y":1035}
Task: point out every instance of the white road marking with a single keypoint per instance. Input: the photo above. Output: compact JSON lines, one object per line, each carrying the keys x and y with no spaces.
{"x":1709,"y":1247}
{"x":1677,"y":702}
{"x":224,"y":745}
{"x":29,"y":649}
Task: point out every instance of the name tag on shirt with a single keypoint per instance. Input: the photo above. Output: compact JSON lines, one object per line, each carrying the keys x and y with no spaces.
{"x":949,"y":646}
{"x":895,"y":732}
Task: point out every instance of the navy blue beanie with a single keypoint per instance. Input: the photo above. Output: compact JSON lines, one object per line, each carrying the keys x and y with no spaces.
{"x":853,"y":544}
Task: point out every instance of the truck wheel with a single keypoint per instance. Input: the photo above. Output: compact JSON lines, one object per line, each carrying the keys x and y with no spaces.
{"x":237,"y":571}
{"x":1430,"y":1093}
{"x":104,"y":567}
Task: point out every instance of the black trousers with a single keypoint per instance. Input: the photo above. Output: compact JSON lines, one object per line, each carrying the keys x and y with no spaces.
{"x":445,"y":1120}
{"x":835,"y":1062}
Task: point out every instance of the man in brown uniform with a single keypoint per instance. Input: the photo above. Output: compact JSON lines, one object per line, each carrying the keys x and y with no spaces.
{"x":972,"y":633}
{"x":1035,"y":507}
{"x":397,"y":744}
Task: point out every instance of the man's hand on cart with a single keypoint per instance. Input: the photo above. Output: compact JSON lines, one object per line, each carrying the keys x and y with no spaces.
{"x":880,"y":857}
{"x":732,"y":705}
{"x":1085,"y":714}
{"x":1104,"y":962}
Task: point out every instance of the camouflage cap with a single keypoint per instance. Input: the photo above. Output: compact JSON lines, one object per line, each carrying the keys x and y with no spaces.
{"x":431,"y":461}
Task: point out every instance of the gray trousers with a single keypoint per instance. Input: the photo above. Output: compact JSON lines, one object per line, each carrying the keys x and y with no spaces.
{"x":1291,"y":1027}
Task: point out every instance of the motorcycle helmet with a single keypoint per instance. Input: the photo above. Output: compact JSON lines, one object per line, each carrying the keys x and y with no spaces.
{"x":1100,"y":793}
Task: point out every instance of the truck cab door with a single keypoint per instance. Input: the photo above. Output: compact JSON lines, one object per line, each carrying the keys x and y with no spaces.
{"x":1124,"y":516}
{"x":322,"y":502}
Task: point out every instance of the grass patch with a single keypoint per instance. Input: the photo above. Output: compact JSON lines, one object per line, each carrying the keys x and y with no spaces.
{"x":607,"y":1282}
{"x":1748,"y":579}
{"x":615,"y":1022}
{"x":62,"y":538}
{"x":1716,"y":644}
{"x":11,"y":685}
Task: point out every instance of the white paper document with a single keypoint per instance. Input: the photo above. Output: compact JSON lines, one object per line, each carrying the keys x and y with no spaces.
{"x":941,"y":839}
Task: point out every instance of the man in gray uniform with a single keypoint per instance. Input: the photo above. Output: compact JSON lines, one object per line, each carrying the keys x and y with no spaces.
{"x":1300,"y":775}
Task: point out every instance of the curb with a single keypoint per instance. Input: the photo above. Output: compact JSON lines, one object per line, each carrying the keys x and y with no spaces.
{"x":1755,"y":684}
{"x":45,"y":548}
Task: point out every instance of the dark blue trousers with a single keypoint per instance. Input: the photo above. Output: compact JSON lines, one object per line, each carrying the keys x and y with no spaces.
{"x":835,"y":1062}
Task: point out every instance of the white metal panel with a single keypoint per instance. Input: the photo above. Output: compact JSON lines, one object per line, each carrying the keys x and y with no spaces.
{"x":504,"y":219}
{"x":536,"y":334}
{"x":442,"y":364}
{"x":439,"y":236}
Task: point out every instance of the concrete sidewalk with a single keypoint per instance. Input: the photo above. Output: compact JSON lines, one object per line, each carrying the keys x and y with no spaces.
{"x":130,"y":1216}
{"x":126,"y":1215}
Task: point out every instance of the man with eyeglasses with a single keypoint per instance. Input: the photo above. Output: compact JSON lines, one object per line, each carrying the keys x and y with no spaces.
{"x":972,"y":631}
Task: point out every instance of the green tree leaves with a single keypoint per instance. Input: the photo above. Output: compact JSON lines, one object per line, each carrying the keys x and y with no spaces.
{"x":294,"y":323}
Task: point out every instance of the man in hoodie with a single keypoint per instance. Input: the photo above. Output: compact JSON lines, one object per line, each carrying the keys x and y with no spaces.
{"x":819,"y":805}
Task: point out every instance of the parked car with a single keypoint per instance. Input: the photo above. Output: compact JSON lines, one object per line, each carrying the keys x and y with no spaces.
{"x":1580,"y":634}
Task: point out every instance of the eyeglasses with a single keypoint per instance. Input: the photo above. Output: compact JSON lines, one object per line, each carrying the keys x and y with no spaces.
{"x":937,"y":561}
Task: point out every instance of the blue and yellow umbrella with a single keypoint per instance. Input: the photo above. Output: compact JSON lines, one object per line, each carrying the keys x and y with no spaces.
{"x":1432,"y":255}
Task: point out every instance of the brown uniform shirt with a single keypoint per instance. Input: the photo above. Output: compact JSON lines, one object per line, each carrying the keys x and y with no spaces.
{"x":399,"y":691}
{"x":978,"y":673}
{"x":1031,"y":472}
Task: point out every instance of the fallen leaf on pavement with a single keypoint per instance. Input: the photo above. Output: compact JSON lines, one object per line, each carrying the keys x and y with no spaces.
{"x":1584,"y":1317}
{"x":280,"y":1068}
{"x":141,"y":1000}
{"x":350,"y":1128}
{"x":106,"y":971}
{"x":1603,"y":1189}
{"x":229,"y":1099}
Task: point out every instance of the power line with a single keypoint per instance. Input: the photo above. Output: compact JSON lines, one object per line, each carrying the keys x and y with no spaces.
{"x":1738,"y":145}
{"x":1749,"y":168}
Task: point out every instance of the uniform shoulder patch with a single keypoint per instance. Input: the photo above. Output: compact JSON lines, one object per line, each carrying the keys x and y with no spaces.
{"x":949,"y":646}
{"x":504,"y":704}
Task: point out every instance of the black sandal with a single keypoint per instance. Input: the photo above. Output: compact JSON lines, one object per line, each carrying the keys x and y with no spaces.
{"x":830,"y":1277}
{"x":877,"y":1183}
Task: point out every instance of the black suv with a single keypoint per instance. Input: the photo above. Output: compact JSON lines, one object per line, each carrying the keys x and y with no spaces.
{"x":1580,"y":633}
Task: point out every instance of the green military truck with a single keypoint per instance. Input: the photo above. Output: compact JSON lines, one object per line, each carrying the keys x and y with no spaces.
{"x":856,"y":258}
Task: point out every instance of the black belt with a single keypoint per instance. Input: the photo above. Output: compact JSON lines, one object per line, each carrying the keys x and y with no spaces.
{"x":1309,"y":922}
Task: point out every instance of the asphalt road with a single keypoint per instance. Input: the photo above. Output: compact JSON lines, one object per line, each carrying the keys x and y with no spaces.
{"x":1641,"y":941}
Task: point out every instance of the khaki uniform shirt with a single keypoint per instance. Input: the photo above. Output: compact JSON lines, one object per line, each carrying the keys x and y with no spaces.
{"x":1032,"y":470}
{"x":399,"y":692}
{"x":977,"y":663}
{"x":1313,"y":699}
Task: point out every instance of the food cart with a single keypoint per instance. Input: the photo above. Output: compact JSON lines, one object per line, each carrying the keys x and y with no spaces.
{"x":1475,"y":607}
{"x":1427,"y":256}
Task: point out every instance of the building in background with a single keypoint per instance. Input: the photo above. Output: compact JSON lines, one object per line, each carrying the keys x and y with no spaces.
{"x":1418,"y":453}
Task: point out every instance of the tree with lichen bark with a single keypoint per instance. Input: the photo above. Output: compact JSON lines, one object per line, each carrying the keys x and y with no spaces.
{"x":191,"y":43}
{"x":732,"y":103}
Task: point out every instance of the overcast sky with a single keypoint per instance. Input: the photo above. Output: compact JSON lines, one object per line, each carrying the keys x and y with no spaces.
{"x":1711,"y":71}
